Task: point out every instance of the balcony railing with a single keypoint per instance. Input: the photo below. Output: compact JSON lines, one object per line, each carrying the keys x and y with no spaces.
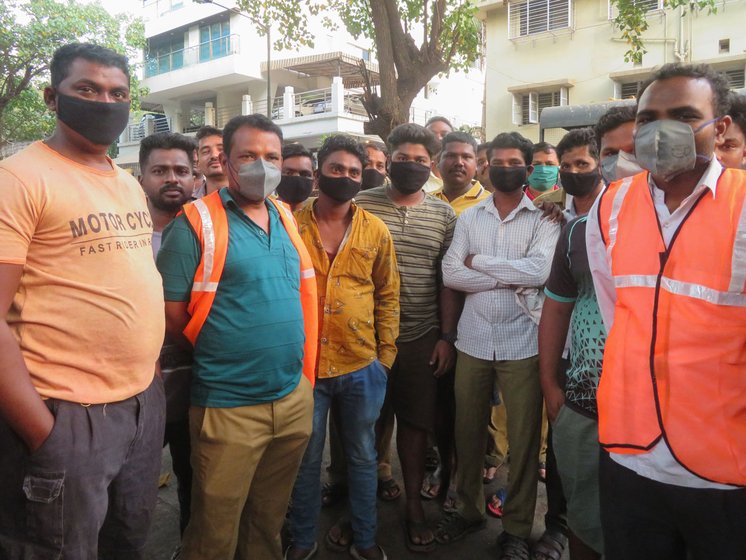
{"x":148,"y":124}
{"x":204,"y":52}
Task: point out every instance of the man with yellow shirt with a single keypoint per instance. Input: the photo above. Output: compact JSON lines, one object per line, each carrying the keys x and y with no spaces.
{"x":458,"y":166}
{"x":358,"y":292}
{"x":81,"y":410}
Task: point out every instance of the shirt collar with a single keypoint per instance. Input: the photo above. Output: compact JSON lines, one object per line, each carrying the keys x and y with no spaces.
{"x":708,"y":180}
{"x":474,"y":192}
{"x":525,"y":203}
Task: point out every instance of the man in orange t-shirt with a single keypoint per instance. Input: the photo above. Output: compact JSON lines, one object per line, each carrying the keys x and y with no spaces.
{"x":81,"y":411}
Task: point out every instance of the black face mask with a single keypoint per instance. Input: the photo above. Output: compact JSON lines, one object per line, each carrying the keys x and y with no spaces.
{"x":508,"y":179}
{"x":98,"y":122}
{"x":294,"y":188}
{"x":340,"y":189}
{"x":408,"y":177}
{"x":580,"y":184}
{"x":372,"y":178}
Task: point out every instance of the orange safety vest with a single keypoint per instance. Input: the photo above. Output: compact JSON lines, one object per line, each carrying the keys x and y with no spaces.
{"x":209,"y":220}
{"x":675,"y":358}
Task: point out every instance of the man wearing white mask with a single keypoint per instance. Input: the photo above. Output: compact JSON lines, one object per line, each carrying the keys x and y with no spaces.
{"x":240,"y":290}
{"x":616,"y":144}
{"x":666,"y":250}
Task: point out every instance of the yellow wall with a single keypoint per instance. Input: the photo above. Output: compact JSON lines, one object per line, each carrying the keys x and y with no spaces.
{"x":588,"y":53}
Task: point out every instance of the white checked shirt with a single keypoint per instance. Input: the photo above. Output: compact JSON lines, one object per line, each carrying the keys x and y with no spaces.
{"x":510,"y":254}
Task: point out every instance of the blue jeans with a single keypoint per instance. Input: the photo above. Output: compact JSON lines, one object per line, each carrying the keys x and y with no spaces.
{"x":360,"y":396}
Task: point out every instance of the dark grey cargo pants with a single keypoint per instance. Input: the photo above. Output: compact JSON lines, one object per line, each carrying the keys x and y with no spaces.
{"x":89,"y":491}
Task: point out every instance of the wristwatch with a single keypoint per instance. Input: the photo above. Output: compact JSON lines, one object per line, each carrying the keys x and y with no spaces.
{"x":449,"y":337}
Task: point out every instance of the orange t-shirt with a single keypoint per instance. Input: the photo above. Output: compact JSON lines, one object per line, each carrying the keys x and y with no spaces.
{"x":88,"y":314}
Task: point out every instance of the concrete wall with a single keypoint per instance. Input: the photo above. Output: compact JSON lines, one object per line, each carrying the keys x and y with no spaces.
{"x":589,"y":57}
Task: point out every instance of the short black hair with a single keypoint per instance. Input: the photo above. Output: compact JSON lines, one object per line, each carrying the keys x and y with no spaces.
{"x":257,"y":121}
{"x":437,"y":118}
{"x":379,"y":146}
{"x":165,"y":141}
{"x":411,"y":133}
{"x":737,"y":111}
{"x":514,"y":141}
{"x":341,"y":143}
{"x":460,"y":137}
{"x":543,"y":147}
{"x":483,"y":146}
{"x":295,"y":149}
{"x":717,"y":80}
{"x":206,"y":131}
{"x":63,"y":58}
{"x":613,"y":118}
{"x":576,"y":138}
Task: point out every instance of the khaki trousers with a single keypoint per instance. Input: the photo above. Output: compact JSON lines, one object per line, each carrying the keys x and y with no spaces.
{"x":518,"y":381}
{"x":245,"y":461}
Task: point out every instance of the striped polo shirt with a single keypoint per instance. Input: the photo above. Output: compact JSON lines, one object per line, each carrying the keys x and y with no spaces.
{"x":421,"y":234}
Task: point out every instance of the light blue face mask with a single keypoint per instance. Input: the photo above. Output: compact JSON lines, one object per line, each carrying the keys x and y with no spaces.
{"x":543,"y":177}
{"x":666,"y":147}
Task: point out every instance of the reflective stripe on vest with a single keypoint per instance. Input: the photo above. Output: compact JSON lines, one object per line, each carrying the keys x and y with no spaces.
{"x":674,"y":360}
{"x":208,"y":250}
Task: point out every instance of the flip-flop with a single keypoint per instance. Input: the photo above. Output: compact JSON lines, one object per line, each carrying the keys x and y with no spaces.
{"x":356,"y":555}
{"x":308,"y":556}
{"x":493,"y":509}
{"x":431,"y":486}
{"x":345,"y":530}
{"x":388,"y":490}
{"x":489,"y":474}
{"x":413,"y":546}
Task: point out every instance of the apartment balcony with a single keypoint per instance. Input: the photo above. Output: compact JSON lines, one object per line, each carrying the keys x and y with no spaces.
{"x":208,"y":66}
{"x":161,"y":16}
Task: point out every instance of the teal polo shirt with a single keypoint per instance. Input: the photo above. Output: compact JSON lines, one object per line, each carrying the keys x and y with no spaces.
{"x":250,"y":349}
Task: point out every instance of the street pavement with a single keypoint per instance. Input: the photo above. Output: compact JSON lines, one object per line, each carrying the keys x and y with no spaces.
{"x":164,"y":536}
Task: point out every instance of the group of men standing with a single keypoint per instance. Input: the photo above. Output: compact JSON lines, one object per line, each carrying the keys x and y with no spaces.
{"x":363,"y":301}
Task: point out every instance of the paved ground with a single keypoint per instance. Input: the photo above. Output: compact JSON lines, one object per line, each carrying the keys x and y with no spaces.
{"x":164,"y":535}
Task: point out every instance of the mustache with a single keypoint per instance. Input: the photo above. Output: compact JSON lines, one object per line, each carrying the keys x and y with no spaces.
{"x":171,"y":187}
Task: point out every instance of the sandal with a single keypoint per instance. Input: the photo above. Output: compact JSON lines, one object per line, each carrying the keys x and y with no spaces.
{"x":496,"y":503}
{"x":311,"y":553}
{"x":357,"y":556}
{"x":550,"y":546}
{"x":343,"y":540}
{"x":388,"y":490}
{"x":431,"y":486}
{"x":332,"y":493}
{"x":512,"y":547}
{"x":420,"y":528}
{"x":488,"y":473}
{"x":454,"y":527}
{"x":450,"y":504}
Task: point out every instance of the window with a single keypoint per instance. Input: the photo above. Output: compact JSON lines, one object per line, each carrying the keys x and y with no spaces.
{"x":164,"y":55}
{"x":527,"y":107}
{"x":649,"y":6}
{"x":724,"y":46}
{"x":214,"y":40}
{"x":736,"y":78}
{"x":626,"y":90}
{"x":527,"y":17}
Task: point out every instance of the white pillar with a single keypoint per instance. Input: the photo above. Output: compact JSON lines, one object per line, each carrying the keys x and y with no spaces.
{"x":209,"y":114}
{"x":247,"y":107}
{"x":288,"y":103}
{"x":338,"y":95}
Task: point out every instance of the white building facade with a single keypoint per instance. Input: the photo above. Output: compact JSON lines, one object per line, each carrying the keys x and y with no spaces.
{"x":547,"y":53}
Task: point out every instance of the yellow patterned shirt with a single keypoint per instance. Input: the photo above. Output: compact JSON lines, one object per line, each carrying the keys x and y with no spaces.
{"x":358,"y":294}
